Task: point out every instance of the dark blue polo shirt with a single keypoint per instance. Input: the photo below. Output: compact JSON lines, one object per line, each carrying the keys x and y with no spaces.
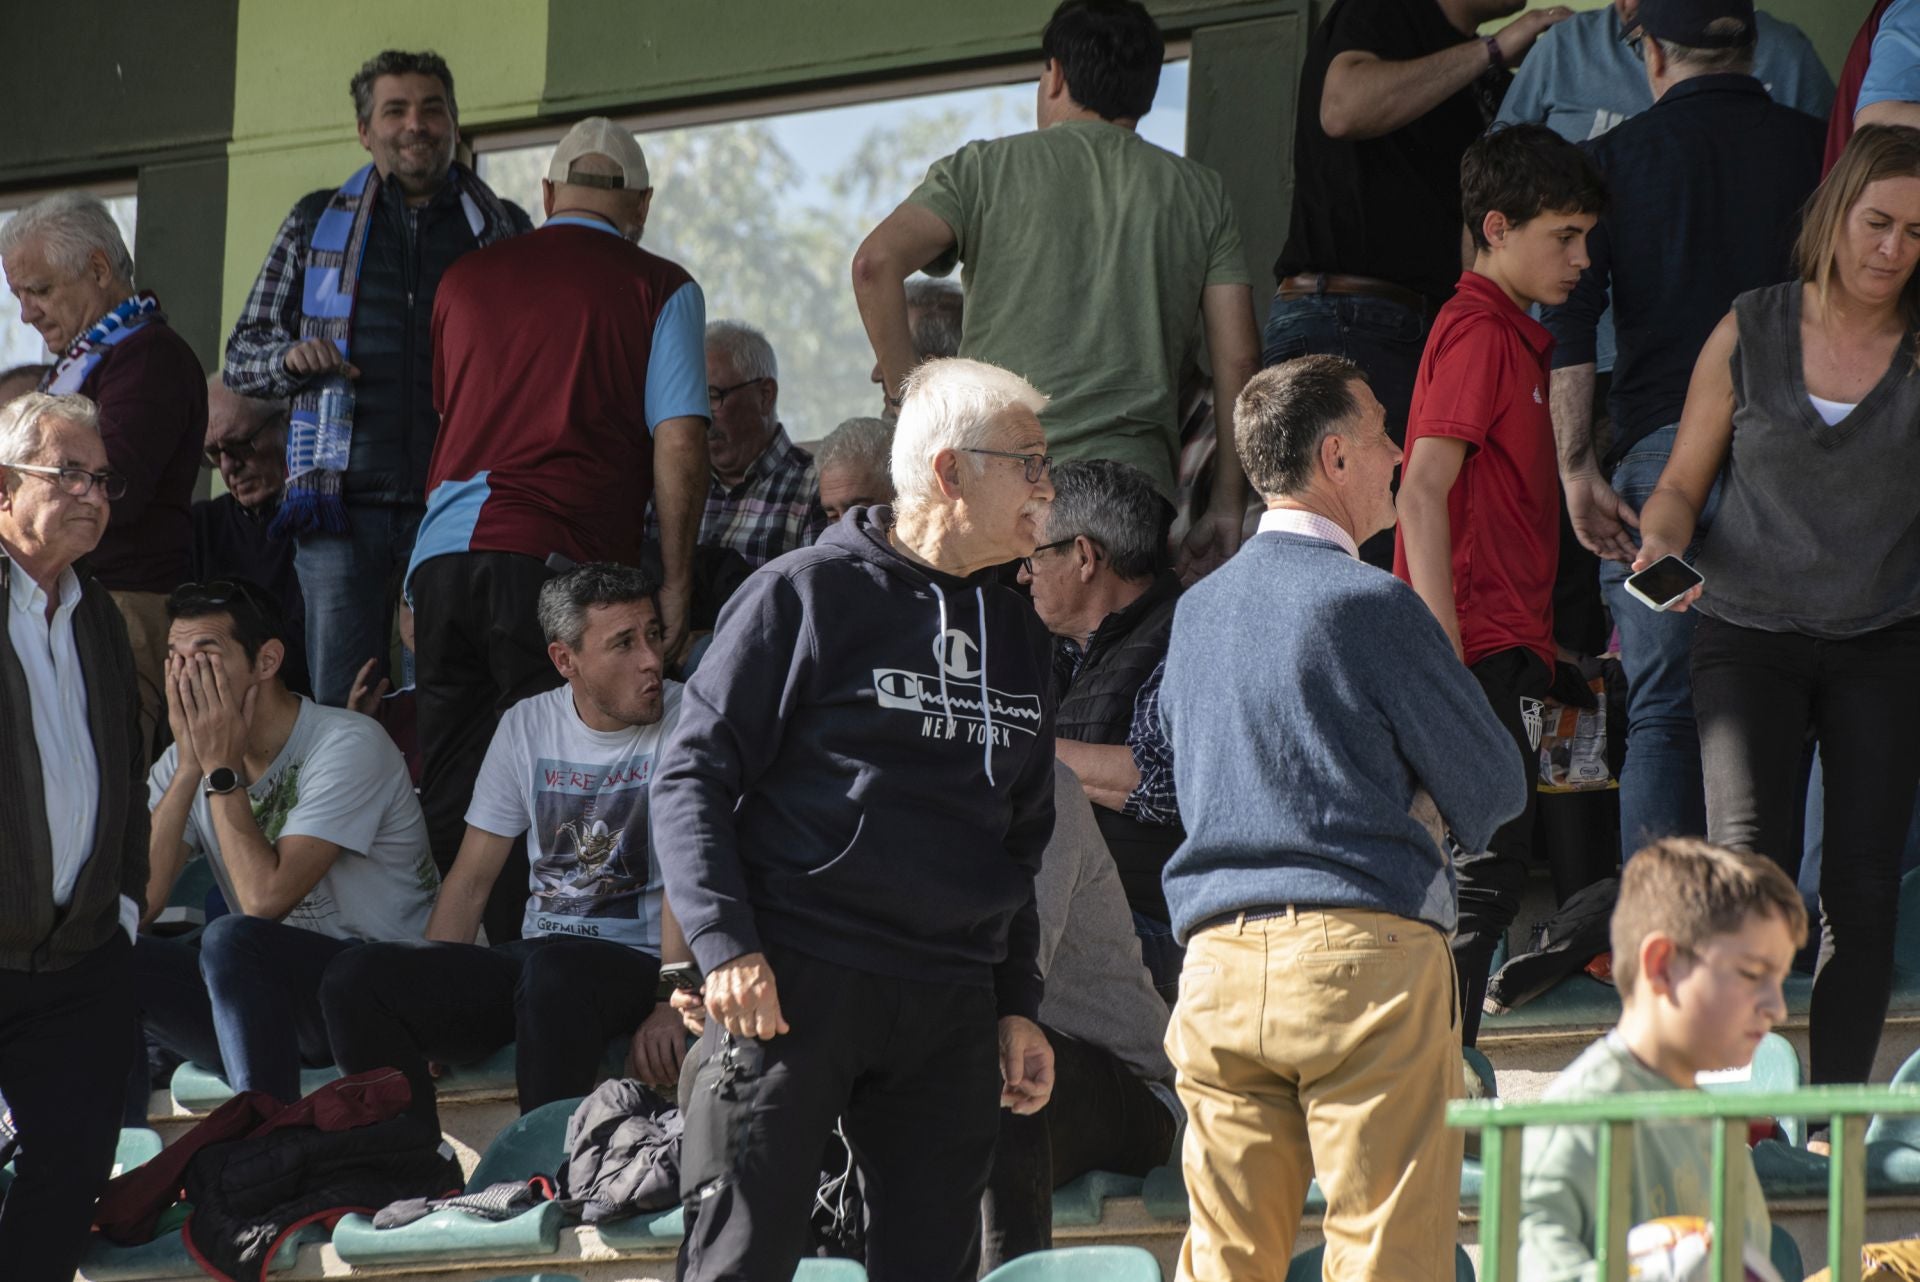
{"x":1707,"y":187}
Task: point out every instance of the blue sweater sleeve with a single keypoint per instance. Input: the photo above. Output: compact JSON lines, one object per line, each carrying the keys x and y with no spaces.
{"x":731,"y":721}
{"x":1447,"y":731}
{"x":677,"y":365}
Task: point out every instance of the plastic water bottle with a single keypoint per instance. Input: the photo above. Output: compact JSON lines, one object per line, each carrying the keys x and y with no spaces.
{"x":336,"y":424}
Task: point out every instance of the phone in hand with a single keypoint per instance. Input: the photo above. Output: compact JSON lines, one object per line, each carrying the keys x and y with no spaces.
{"x":684,"y":976}
{"x":1664,"y":582}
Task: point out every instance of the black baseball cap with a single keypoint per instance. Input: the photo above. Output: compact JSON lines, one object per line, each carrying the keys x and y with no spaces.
{"x":1698,"y":24}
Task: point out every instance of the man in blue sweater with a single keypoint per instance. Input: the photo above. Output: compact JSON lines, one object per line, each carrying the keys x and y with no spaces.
{"x":1318,"y":1027}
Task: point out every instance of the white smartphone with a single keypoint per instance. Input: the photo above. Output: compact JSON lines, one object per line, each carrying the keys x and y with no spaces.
{"x":1664,"y":582}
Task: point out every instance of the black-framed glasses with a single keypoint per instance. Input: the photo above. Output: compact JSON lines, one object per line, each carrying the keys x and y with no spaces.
{"x":718,"y":395}
{"x":77,"y":481}
{"x":240,"y":450}
{"x":1035,"y":465}
{"x":1045,"y":547}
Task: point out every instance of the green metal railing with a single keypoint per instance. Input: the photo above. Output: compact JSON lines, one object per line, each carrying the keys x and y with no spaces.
{"x":1847,"y":1107}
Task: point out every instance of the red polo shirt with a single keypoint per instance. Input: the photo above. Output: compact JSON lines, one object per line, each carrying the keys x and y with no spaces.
{"x":1484,"y":379}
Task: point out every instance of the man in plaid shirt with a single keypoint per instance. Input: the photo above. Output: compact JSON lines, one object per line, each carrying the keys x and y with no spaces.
{"x":761,"y":501}
{"x":429,"y":212}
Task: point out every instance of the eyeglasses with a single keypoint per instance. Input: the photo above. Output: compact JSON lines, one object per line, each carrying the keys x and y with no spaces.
{"x":241,"y":450}
{"x":717,"y":395}
{"x":1036,"y":465}
{"x":77,"y":481}
{"x":1027,"y":561}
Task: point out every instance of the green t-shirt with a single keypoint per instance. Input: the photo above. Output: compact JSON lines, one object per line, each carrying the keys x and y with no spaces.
{"x":1085,"y":249}
{"x":1672,"y":1170}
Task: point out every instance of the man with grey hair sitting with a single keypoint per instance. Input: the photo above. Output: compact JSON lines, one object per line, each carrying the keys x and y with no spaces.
{"x":935,"y":312}
{"x":760,"y":499}
{"x":1102,"y":585}
{"x":68,"y":265}
{"x":849,"y":819}
{"x":569,"y":769}
{"x":73,"y":833}
{"x":854,"y":466}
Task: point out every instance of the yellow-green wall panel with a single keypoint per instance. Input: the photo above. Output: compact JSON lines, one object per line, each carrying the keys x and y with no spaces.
{"x":293,"y":129}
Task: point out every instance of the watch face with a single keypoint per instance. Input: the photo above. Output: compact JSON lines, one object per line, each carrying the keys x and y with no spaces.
{"x":222,"y":780}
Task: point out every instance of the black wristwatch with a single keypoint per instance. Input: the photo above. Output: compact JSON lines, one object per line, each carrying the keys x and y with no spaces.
{"x":222,"y":779}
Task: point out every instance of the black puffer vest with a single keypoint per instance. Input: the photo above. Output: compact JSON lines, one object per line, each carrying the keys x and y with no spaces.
{"x":394,"y":422}
{"x":1097,"y":707}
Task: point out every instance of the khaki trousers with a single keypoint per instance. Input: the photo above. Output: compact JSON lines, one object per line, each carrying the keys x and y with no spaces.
{"x":1319,"y":1041}
{"x":145,"y":614}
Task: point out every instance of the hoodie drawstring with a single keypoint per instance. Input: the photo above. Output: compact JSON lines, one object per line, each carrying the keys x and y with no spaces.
{"x":940,"y":662}
{"x":986,"y":702}
{"x":939,"y":659}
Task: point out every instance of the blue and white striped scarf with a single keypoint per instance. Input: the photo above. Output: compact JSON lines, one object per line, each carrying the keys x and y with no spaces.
{"x":88,"y":350}
{"x":329,"y":282}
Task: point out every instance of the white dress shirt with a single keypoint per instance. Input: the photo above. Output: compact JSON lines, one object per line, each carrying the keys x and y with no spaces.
{"x":57,"y":689}
{"x":1292,"y":520}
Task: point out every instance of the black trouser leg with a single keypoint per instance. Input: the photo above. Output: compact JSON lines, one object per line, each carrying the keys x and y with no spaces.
{"x":66,"y":1041}
{"x":478,"y":651}
{"x":1492,"y":880}
{"x":1101,"y":1118}
{"x":574,"y":996}
{"x":1757,"y":694}
{"x":913,"y":1066}
{"x":398,"y":1005}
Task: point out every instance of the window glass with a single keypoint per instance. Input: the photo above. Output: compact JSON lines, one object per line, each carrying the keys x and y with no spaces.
{"x":19,"y":343}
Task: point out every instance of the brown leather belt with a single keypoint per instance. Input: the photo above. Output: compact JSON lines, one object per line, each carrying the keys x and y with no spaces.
{"x":1310,"y":284}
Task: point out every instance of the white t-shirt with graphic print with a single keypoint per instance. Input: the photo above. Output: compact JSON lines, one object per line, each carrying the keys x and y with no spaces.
{"x":339,"y":778}
{"x":580,"y":796}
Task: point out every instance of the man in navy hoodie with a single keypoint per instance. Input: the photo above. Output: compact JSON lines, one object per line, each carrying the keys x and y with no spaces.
{"x":848,"y":820}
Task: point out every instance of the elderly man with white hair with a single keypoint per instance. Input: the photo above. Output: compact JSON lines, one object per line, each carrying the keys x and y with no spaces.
{"x":68,"y":265}
{"x":848,"y":821}
{"x":73,"y":833}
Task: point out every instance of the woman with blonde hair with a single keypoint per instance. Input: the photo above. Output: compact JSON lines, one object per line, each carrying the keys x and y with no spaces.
{"x":1809,"y":394}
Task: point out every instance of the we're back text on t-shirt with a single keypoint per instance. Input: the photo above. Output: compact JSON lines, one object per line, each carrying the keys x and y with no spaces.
{"x":580,"y":795}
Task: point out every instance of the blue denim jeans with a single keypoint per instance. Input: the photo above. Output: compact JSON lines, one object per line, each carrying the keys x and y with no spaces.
{"x":1662,"y":793}
{"x":349,"y":585}
{"x":243,"y":1001}
{"x":1382,"y":338}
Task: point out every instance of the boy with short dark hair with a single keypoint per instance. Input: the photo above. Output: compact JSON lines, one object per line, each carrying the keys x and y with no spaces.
{"x":1702,"y":939}
{"x":1479,"y":535}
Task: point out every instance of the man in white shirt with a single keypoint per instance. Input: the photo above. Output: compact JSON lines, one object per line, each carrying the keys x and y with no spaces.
{"x":571,"y":769}
{"x":73,"y":833}
{"x":308,"y":818}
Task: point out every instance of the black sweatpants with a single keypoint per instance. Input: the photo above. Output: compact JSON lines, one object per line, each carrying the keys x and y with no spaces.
{"x":66,"y":1042}
{"x":1758,"y":696}
{"x":911,"y":1067}
{"x":1491,"y":881}
{"x":558,"y":1000}
{"x":1101,"y":1118}
{"x":478,"y":650}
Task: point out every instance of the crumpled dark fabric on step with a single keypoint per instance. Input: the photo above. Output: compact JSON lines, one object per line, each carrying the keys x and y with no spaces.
{"x":623,"y":1153}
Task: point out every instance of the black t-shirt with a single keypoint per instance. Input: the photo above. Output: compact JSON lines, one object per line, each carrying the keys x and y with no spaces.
{"x":1386,"y":207}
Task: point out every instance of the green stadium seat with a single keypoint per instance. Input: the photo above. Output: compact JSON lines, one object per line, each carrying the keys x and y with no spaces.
{"x":1081,"y":1202}
{"x":643,"y":1232}
{"x":1482,"y":1068}
{"x":1776,"y":1067}
{"x":535,"y":1144}
{"x":1785,"y":1254}
{"x":830,"y":1271}
{"x":1081,"y":1264}
{"x":138,"y":1146}
{"x":200,"y":1090}
{"x":1306,"y":1266}
{"x":166,"y":1257}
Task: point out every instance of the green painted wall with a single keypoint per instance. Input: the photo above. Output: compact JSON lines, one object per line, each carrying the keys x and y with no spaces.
{"x":293,"y":116}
